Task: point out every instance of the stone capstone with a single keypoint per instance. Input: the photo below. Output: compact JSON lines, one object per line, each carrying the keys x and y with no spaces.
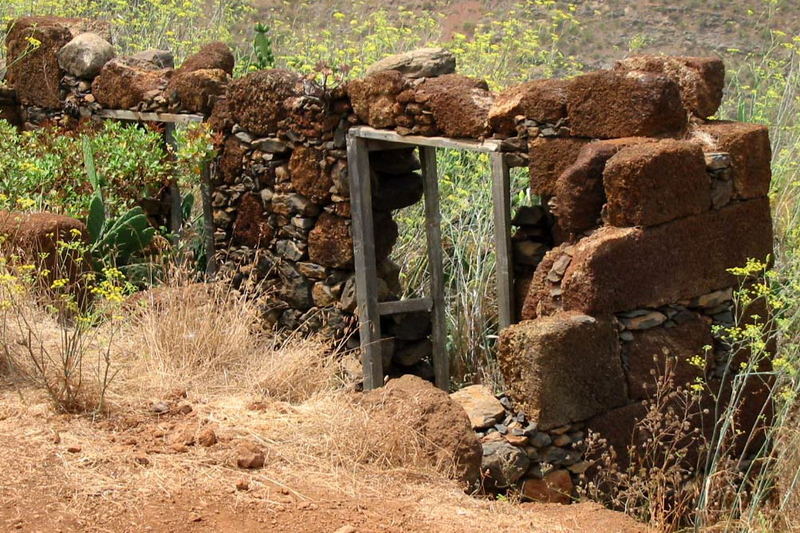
{"x":608,"y":104}
{"x":700,"y":79}
{"x":85,"y":55}
{"x":420,"y":63}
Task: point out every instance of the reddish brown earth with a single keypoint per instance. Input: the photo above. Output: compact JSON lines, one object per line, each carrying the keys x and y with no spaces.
{"x":126,"y":473}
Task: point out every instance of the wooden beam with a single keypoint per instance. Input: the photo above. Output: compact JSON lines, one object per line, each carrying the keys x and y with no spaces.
{"x":365,"y":132}
{"x":501,"y":195}
{"x":144,"y":116}
{"x":369,"y":324}
{"x":433,"y":231}
{"x":410,"y":305}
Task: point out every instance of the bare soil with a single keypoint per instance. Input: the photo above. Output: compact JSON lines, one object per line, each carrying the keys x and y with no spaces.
{"x":130,"y":473}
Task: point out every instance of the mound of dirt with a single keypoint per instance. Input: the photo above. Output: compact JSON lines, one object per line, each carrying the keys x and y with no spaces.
{"x":447,"y":436}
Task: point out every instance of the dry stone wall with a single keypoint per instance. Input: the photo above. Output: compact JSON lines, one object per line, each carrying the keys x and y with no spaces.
{"x":620,"y":270}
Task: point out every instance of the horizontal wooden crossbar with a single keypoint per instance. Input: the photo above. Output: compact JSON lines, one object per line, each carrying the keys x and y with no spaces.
{"x":365,"y":132}
{"x":405,"y":306}
{"x":142,"y":116}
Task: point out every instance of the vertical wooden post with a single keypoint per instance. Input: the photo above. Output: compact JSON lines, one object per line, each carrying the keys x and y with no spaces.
{"x":433,"y":230}
{"x":501,"y":195}
{"x":206,"y":186}
{"x":363,"y":232}
{"x":176,"y":209}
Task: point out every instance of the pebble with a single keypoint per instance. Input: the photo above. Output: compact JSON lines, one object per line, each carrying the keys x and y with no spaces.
{"x":160,"y":408}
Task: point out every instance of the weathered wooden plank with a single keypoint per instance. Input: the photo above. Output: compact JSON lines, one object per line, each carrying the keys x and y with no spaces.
{"x":366,"y":132}
{"x":364,"y":259}
{"x":410,"y":305}
{"x":501,"y":194}
{"x":145,"y":116}
{"x":208,"y":217}
{"x":433,"y":230}
{"x":176,"y":207}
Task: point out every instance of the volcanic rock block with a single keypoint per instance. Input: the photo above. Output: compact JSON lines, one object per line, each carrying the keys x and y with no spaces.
{"x":460,"y":105}
{"x":579,"y":191}
{"x":374,"y":98}
{"x":123,"y":86}
{"x":549,"y":157}
{"x":9,"y":107}
{"x":749,"y":147}
{"x":257,"y":102}
{"x":617,"y":269}
{"x":32,"y":45}
{"x":212,"y":56}
{"x":230,"y":162}
{"x":447,"y":439}
{"x":35,"y":237}
{"x":420,"y":63}
{"x":700,"y":79}
{"x":252,"y":226}
{"x":85,"y":55}
{"x":562,"y":368}
{"x":309,"y":178}
{"x":607,"y":104}
{"x":658,"y":353}
{"x":197,"y":90}
{"x":330,"y":243}
{"x":540,"y":100}
{"x":649,"y":184}
{"x":394,"y":162}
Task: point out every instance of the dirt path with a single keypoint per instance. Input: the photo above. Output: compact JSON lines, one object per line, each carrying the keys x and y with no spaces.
{"x":64,"y":473}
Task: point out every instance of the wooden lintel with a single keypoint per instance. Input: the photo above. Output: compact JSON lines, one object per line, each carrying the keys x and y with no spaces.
{"x":143,"y":116}
{"x":365,"y":132}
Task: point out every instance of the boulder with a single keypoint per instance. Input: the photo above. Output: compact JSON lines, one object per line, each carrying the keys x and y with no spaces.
{"x":212,"y":56}
{"x":579,"y":191}
{"x":33,"y":68}
{"x":309,"y":177}
{"x":618,"y":269}
{"x":658,"y":353}
{"x":420,"y":63}
{"x":562,"y":368}
{"x":482,"y":407}
{"x":609,"y":104}
{"x":257,"y":102}
{"x":503,"y":464}
{"x":252,"y":227}
{"x":374,"y":98}
{"x":548,"y":158}
{"x":544,"y":101}
{"x":652,"y":183}
{"x":460,"y":105}
{"x":85,"y":55}
{"x":157,"y":59}
{"x":330,"y":243}
{"x":700,"y":79}
{"x":121,"y":85}
{"x":750,"y":151}
{"x":617,"y":428}
{"x":197,"y":91}
{"x":446,"y":436}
